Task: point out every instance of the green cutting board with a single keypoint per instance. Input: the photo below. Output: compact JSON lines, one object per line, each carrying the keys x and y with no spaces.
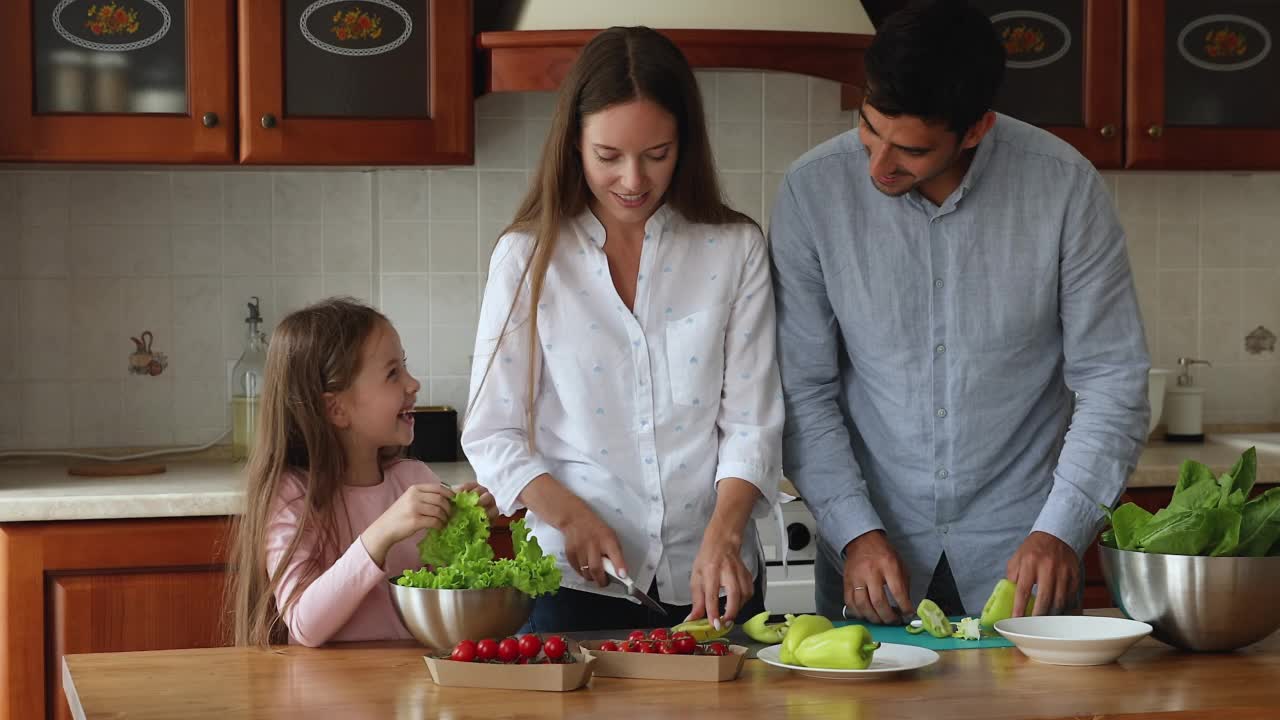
{"x":898,"y":634}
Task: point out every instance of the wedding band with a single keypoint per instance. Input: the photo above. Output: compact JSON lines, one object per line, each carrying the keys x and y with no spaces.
{"x":859,"y":587}
{"x":584,"y":568}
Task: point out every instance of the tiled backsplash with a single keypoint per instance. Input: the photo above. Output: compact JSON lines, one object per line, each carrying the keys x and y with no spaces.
{"x":91,"y":257}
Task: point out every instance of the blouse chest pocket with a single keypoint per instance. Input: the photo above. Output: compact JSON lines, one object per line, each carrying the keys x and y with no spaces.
{"x":695,"y":356}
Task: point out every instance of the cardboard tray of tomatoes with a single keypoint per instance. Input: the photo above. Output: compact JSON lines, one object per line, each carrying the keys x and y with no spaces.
{"x":645,"y":657}
{"x":471,"y":664}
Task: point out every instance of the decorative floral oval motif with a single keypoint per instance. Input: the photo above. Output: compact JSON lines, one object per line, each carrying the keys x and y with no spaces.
{"x":1031,"y":39}
{"x":111,"y":19}
{"x":1224,"y":43}
{"x":354,"y":24}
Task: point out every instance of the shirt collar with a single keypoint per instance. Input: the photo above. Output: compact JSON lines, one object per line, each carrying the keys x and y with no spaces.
{"x":653,"y":227}
{"x":981,"y":158}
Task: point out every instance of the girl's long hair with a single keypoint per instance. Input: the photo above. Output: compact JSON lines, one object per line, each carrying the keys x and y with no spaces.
{"x":312,"y":351}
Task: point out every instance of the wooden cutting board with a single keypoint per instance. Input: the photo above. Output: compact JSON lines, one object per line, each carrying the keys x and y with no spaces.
{"x":115,"y":469}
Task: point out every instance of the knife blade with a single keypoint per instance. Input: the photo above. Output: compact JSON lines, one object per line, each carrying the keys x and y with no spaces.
{"x":629,"y":585}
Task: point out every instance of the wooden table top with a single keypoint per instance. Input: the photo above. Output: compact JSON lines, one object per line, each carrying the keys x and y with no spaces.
{"x":390,"y":680}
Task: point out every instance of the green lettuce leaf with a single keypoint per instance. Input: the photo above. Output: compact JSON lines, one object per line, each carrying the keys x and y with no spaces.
{"x":1127,"y":521}
{"x":1260,"y":525}
{"x":465,"y":536}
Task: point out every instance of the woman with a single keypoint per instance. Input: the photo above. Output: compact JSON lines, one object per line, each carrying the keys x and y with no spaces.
{"x":624,"y":387}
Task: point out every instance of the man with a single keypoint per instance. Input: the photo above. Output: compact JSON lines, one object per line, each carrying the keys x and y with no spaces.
{"x":962,"y":357}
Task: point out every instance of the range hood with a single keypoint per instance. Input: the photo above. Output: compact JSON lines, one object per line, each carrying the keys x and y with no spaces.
{"x":530,"y":44}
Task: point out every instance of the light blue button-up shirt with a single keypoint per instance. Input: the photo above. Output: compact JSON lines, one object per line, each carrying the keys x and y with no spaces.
{"x":930,"y":355}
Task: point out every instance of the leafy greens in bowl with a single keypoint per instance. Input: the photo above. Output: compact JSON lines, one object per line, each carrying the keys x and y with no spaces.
{"x":458,"y":556}
{"x":1207,"y":516}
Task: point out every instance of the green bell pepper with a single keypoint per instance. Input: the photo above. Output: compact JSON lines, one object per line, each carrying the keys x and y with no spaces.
{"x":802,"y":626}
{"x":845,"y":648}
{"x":933,"y":619}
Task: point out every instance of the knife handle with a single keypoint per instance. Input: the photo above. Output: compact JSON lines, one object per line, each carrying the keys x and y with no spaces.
{"x":612,"y":570}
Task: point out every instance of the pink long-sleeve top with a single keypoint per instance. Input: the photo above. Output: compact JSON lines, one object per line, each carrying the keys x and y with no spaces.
{"x":350,"y":600}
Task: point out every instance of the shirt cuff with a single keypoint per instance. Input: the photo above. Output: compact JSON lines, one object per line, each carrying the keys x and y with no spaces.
{"x":755,"y":475}
{"x":506,"y":494}
{"x":1071,"y":517}
{"x":841,"y":523}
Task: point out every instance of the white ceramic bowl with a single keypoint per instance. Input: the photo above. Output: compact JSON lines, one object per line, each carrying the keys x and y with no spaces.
{"x":1073,"y":639}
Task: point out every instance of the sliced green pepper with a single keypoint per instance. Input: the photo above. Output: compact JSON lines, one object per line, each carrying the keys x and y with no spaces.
{"x":933,"y":619}
{"x":915,"y":629}
{"x":757,"y":629}
{"x":802,"y":626}
{"x":846,"y":648}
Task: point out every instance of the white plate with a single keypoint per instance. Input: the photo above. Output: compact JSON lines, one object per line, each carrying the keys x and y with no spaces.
{"x":890,"y":660}
{"x":1073,"y":639}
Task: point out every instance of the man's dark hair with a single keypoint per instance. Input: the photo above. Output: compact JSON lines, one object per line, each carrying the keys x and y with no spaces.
{"x":938,"y":60}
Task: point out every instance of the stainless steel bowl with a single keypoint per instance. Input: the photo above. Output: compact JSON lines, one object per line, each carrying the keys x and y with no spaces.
{"x":441,"y":619}
{"x":1196,"y":603}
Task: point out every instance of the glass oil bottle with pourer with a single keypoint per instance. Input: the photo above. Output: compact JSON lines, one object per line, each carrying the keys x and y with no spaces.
{"x":246,"y":386}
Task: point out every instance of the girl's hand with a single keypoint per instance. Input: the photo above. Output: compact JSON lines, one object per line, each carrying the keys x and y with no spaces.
{"x":719,"y":565}
{"x":420,"y":507}
{"x":486,"y":499}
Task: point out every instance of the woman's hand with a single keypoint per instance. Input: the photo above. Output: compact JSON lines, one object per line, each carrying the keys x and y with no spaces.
{"x":486,"y":499}
{"x":586,"y":537}
{"x":719,"y":565}
{"x":418,"y":508}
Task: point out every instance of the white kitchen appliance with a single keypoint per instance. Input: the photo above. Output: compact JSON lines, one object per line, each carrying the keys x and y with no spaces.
{"x":789,"y":590}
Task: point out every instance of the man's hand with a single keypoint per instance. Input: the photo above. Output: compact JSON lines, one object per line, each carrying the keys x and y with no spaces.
{"x":870,"y":564}
{"x":1050,"y":565}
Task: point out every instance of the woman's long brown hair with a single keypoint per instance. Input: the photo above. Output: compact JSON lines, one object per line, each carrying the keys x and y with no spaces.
{"x":313,"y":351}
{"x":619,"y":65}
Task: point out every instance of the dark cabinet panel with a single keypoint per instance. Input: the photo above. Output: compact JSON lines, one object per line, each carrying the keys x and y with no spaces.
{"x":1221,"y":66}
{"x":1044,"y":73}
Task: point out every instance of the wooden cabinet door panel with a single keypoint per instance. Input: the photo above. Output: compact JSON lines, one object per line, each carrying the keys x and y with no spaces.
{"x":1201,"y":85}
{"x":77,"y":92}
{"x":327,"y":82}
{"x":161,"y":609}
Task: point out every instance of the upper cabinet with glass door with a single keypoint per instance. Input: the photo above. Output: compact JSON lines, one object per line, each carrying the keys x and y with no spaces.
{"x":118,"y":81}
{"x":356,"y":81}
{"x":1204,"y":84}
{"x":1062,"y":70}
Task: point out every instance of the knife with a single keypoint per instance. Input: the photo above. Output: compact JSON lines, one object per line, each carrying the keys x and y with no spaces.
{"x":629,"y":585}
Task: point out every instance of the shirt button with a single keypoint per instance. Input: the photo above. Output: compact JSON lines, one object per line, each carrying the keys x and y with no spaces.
{"x":942,"y":412}
{"x":940,"y":349}
{"x":653,"y":536}
{"x":655,"y":498}
{"x":938,"y":283}
{"x":945,"y":529}
{"x":942,"y":474}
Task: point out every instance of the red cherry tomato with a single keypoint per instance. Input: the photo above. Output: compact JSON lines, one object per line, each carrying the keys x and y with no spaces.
{"x":717,"y":649}
{"x":464,"y":652}
{"x":508,"y":649}
{"x":530,"y":646}
{"x":554,"y":647}
{"x":665,"y":647}
{"x":683,"y":644}
{"x":607,"y":646}
{"x":646,"y":646}
{"x":487,"y":649}
{"x":522,"y":661}
{"x":636,"y":635}
{"x":630,"y":646}
{"x":681,"y":634}
{"x":660,"y":634}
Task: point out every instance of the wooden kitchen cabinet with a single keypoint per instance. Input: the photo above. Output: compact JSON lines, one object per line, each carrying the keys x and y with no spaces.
{"x":323,"y":82}
{"x":1063,"y":70}
{"x":370,"y":82}
{"x":150,"y":83}
{"x":102,"y":586}
{"x":1202,"y":80}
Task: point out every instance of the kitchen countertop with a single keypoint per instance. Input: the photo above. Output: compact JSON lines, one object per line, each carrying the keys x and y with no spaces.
{"x":42,"y":490}
{"x":1150,"y":682}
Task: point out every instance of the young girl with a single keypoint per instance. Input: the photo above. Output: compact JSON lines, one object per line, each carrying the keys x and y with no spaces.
{"x":624,"y":387}
{"x":331,"y":511}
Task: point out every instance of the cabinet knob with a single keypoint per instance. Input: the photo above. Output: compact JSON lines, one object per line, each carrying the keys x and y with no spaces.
{"x":268,"y":121}
{"x":1155,"y":131}
{"x":1108,"y":131}
{"x":209,"y":120}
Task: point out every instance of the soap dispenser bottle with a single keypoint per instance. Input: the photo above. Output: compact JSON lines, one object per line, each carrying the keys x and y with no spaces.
{"x":1184,"y":405}
{"x":246,"y":385}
